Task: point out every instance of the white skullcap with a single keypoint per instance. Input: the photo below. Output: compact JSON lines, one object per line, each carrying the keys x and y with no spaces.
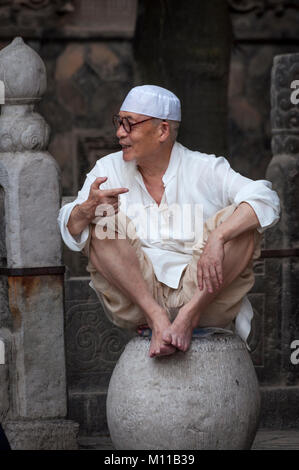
{"x":154,"y":101}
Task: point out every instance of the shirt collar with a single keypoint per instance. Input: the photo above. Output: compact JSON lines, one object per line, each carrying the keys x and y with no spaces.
{"x":173,"y":164}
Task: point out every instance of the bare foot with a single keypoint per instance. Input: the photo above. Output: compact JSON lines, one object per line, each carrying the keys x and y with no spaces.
{"x":158,"y":347}
{"x":179,"y":333}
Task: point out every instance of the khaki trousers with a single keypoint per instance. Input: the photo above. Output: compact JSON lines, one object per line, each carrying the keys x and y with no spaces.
{"x":124,"y":313}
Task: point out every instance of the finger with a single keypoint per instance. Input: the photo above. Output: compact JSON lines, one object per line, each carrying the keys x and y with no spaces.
{"x":98,"y":181}
{"x":114,"y":192}
{"x":199,"y":277}
{"x":213,"y":277}
{"x":206,"y":276}
{"x":218,"y":267}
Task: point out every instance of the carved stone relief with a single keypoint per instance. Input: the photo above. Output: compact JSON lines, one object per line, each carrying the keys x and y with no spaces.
{"x":68,"y":18}
{"x":264,"y":18}
{"x":284,"y":115}
{"x":261,"y":6}
{"x":94,"y":344}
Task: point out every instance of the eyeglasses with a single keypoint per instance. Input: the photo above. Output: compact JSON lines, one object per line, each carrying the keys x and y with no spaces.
{"x":118,"y":121}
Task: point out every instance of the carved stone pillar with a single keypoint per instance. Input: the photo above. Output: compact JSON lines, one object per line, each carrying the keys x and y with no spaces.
{"x":29,"y":177}
{"x":282,"y":273}
{"x":284,"y":172}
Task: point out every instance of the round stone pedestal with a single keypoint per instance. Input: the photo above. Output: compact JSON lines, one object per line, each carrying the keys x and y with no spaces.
{"x":206,"y":398}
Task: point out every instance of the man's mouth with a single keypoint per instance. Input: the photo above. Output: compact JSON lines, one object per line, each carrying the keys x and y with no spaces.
{"x":125,"y":147}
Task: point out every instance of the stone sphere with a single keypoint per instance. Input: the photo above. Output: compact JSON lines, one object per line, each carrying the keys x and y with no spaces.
{"x":206,"y":398}
{"x":22,"y":72}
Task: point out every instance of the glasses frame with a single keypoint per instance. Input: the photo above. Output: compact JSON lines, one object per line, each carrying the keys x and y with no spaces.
{"x":120,"y":122}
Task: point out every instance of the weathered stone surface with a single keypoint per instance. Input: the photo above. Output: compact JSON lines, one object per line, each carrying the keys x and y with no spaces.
{"x":38,"y":380}
{"x":68,"y":18}
{"x":33,"y":238}
{"x":4,"y":381}
{"x":93,"y":348}
{"x":262,"y":19}
{"x":89,"y":410}
{"x":249,"y":77}
{"x":207,"y":398}
{"x":86,"y":84}
{"x":23,"y":73}
{"x":69,"y":62}
{"x":279,"y":407}
{"x":249,"y":108}
{"x":42,"y":435}
{"x":29,"y":176}
{"x":283,"y":171}
{"x":284,"y":112}
{"x":187,"y":51}
{"x":2,"y":228}
{"x":4,"y":391}
{"x":22,"y":130}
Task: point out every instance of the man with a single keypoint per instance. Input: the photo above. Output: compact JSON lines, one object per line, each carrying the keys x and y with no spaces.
{"x":170,"y":279}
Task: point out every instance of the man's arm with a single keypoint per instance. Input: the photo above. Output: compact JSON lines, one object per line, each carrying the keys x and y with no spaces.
{"x":209,"y":269}
{"x":79,"y":219}
{"x":257,"y":208}
{"x":242,"y":220}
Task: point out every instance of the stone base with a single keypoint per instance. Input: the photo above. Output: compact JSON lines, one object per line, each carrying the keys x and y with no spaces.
{"x":56,"y":434}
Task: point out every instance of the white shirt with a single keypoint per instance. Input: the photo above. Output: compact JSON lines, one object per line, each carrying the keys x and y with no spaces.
{"x":192,"y":178}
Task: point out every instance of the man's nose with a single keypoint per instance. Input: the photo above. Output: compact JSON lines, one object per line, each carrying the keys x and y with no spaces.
{"x":121,"y":132}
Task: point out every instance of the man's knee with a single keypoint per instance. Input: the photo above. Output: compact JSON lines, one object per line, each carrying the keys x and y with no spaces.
{"x":118,"y":226}
{"x":249,"y":240}
{"x":101,"y":232}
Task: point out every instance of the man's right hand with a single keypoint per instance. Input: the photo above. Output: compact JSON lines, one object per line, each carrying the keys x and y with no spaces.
{"x":101,"y":202}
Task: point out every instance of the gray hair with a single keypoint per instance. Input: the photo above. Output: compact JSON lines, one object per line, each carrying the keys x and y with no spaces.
{"x":173,"y":127}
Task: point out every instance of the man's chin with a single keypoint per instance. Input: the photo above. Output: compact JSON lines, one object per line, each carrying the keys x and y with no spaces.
{"x":128,"y":155}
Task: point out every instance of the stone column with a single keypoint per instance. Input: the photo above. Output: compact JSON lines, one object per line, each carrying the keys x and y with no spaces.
{"x":29,"y":177}
{"x":282,"y":273}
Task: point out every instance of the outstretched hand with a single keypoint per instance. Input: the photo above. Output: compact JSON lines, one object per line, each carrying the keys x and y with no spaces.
{"x":210,"y":264}
{"x":102,"y":202}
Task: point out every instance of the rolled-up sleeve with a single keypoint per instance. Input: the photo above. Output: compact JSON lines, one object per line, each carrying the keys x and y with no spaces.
{"x":263,"y":200}
{"x":235,"y":188}
{"x":75,"y":243}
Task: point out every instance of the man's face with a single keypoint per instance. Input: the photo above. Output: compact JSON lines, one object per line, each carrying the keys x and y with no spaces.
{"x":143,"y":139}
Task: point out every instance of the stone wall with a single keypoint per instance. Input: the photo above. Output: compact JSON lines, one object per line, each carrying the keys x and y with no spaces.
{"x":261,"y":30}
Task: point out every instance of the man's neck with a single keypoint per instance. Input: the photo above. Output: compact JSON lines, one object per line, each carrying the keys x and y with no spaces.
{"x":154,"y":168}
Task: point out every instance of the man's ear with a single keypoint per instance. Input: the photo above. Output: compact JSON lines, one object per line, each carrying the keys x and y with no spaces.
{"x":164,"y":131}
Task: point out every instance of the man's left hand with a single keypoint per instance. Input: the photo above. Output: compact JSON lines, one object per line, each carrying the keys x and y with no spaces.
{"x":210,"y":264}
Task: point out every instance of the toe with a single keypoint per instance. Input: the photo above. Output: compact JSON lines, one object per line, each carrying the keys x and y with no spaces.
{"x":166,"y":350}
{"x":174,"y":341}
{"x":167,"y":337}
